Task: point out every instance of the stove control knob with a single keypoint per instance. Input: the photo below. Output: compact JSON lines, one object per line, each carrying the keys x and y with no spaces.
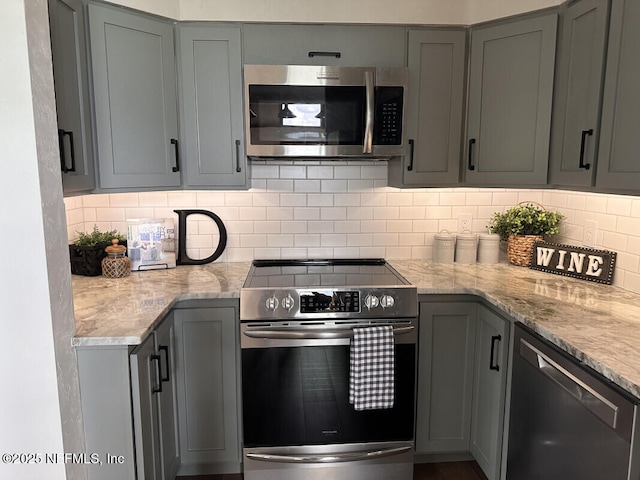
{"x":371,"y":301}
{"x":288,"y":302}
{"x":271,"y":303}
{"x":387,"y":301}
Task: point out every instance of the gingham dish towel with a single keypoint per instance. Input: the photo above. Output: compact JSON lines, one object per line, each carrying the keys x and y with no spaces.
{"x":372,"y":364}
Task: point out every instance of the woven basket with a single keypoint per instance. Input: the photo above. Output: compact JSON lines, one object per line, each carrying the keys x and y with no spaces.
{"x":519,"y":249}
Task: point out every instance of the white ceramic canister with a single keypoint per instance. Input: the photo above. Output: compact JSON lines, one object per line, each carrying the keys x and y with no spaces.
{"x":466,"y":248}
{"x":488,"y":248}
{"x":444,"y":244}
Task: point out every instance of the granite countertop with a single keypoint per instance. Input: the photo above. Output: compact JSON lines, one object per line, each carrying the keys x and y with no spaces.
{"x":597,"y":324}
{"x":122,"y":311}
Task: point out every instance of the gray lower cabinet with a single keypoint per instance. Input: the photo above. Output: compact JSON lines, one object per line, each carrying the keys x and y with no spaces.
{"x":134,"y":80}
{"x":436,"y":60}
{"x":463,"y":364}
{"x":68,"y":49}
{"x":128,"y":408}
{"x":511,"y":78}
{"x":445,"y":371}
{"x":207,"y":364}
{"x":153,"y":400}
{"x":578,"y":92}
{"x":211,"y":107}
{"x":618,"y":164}
{"x":348,"y":45}
{"x":489,"y":387}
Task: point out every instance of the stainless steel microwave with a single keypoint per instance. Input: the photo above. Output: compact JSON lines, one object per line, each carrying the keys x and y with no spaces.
{"x":305,"y":111}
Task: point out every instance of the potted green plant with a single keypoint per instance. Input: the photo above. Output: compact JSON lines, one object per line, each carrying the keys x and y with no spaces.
{"x":87,"y":251}
{"x":523,"y":225}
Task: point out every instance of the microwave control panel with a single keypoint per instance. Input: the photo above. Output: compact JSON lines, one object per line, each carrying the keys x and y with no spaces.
{"x":388,"y":116}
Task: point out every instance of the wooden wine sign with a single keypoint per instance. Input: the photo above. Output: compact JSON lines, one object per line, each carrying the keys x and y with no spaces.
{"x":573,"y":261}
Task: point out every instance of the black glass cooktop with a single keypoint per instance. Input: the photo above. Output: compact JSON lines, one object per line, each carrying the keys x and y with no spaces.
{"x":362,"y":272}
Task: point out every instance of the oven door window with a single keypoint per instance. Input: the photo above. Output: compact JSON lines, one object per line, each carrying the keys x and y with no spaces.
{"x":299,"y":115}
{"x":300,"y":396}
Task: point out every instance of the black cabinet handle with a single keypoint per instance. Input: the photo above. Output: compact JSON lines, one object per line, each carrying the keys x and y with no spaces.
{"x":63,"y":158}
{"x":492,"y":365}
{"x":325,"y":54}
{"x":470,"y":165}
{"x":174,"y":142}
{"x":586,"y":166}
{"x":156,"y":358}
{"x":411,"y":148}
{"x":167,"y":365}
{"x":238,"y":167}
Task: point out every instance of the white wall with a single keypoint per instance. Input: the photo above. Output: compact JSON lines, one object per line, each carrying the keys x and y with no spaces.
{"x":36,"y":315}
{"x":420,"y":12}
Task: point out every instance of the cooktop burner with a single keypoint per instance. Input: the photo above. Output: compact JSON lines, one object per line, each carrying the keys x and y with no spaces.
{"x":336,"y":288}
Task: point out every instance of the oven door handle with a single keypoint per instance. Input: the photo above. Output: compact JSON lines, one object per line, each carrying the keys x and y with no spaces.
{"x":306,"y":334}
{"x":329,"y":458}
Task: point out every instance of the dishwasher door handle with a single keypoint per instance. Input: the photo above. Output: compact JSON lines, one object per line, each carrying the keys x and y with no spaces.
{"x":585,"y":394}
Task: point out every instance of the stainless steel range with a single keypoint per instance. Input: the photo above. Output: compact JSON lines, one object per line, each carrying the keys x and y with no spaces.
{"x":300,"y":322}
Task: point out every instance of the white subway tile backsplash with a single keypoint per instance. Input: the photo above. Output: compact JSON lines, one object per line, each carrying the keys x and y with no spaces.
{"x":306,"y":213}
{"x":307,"y":186}
{"x":279,"y":185}
{"x":324,"y":209}
{"x":97,"y":200}
{"x":320,"y":199}
{"x":123,"y":200}
{"x":320,"y":172}
{"x":619,"y":205}
{"x":183,"y":199}
{"x":333,"y":186}
{"x":333,"y":213}
{"x":280,"y":213}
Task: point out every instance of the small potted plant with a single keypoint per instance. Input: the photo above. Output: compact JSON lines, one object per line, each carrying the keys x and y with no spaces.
{"x":523,"y":225}
{"x":87,"y":251}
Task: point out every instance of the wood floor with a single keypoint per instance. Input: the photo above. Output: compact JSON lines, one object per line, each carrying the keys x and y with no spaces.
{"x":423,"y":471}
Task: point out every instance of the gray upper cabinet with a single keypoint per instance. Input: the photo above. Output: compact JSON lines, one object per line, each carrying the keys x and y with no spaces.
{"x":211,"y":106}
{"x":489,"y":390}
{"x":576,"y":109}
{"x":68,"y":48}
{"x":618,"y":161}
{"x":436,"y":60}
{"x":134,"y":76}
{"x":510,"y":98}
{"x":349,"y":45}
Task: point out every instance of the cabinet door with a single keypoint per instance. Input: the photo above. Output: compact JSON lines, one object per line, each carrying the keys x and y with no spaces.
{"x":618,"y":164}
{"x":489,"y":384}
{"x":207,"y":381}
{"x":68,"y":49}
{"x":348,"y":45}
{"x":146,"y":383}
{"x":134,"y":79}
{"x":510,"y":94}
{"x":211,"y":87}
{"x":445,"y":376}
{"x":168,"y":415}
{"x":576,"y":110}
{"x":434,"y":109}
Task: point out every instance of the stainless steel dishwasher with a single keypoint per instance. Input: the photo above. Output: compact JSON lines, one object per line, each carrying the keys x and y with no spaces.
{"x":566,"y":422}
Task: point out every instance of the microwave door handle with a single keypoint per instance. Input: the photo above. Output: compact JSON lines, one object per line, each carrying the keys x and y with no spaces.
{"x":368,"y":127}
